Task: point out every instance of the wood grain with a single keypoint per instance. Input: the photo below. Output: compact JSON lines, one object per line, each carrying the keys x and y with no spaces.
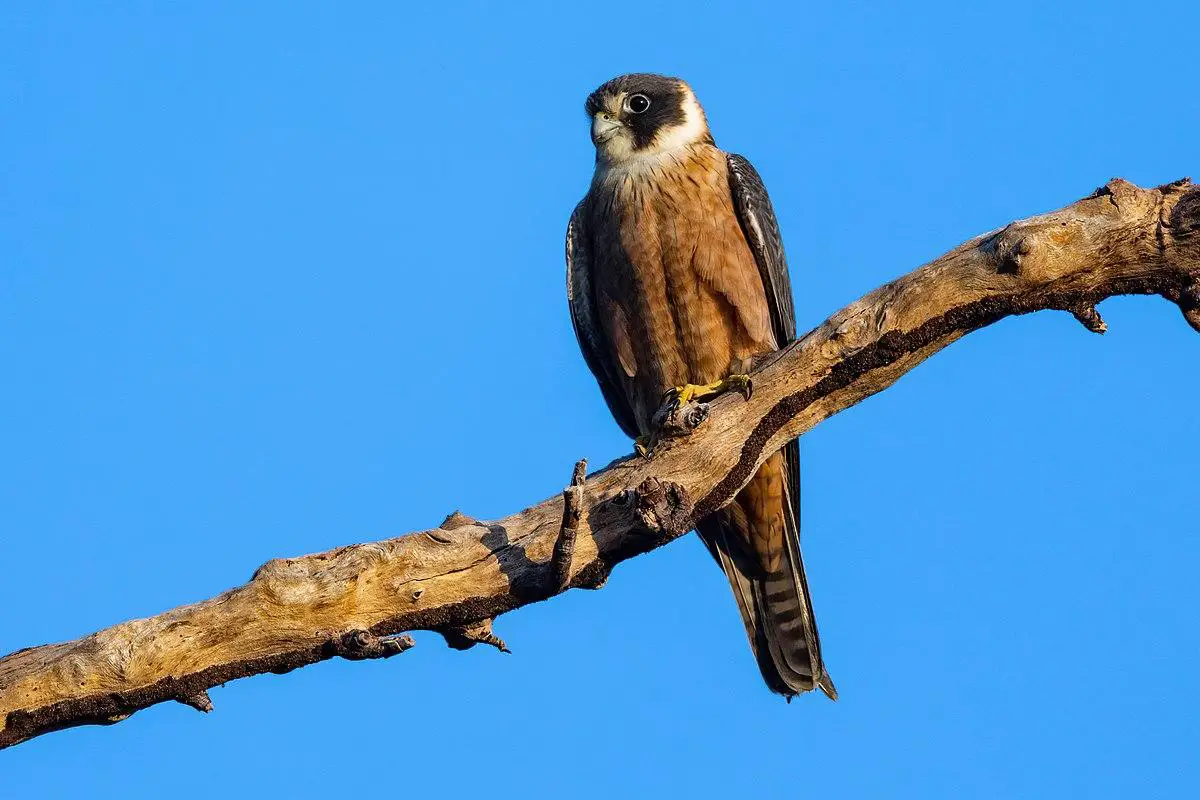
{"x":352,"y":602}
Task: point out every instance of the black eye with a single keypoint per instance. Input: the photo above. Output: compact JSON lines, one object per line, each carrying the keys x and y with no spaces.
{"x":637,"y":103}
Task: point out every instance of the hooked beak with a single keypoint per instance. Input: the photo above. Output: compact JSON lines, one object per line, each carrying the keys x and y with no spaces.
{"x":604,"y":127}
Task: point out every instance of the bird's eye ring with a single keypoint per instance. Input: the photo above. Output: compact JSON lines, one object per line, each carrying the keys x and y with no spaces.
{"x":637,"y":104}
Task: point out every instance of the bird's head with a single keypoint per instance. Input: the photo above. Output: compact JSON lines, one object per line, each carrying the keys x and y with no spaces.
{"x":642,"y":116}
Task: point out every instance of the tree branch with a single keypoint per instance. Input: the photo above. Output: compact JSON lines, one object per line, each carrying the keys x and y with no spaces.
{"x":457,"y":578}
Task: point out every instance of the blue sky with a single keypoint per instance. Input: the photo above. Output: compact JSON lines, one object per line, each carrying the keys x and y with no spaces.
{"x":265,"y":267}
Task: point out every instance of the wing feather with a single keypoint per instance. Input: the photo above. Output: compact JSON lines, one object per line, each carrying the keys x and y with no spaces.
{"x":582,"y":302}
{"x":761,"y":230}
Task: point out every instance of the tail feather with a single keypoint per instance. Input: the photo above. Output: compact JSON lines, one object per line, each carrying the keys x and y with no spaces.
{"x":775,"y":605}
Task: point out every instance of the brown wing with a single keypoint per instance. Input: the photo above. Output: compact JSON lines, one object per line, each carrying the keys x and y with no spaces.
{"x":761,"y":229}
{"x":582,"y":301}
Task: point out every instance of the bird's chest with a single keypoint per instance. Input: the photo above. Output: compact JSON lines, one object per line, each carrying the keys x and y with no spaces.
{"x":678,"y":291}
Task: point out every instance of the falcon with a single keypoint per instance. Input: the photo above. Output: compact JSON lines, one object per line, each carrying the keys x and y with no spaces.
{"x":677,"y":283}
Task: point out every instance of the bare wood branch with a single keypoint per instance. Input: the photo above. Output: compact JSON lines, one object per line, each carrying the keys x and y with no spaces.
{"x":458,"y":577}
{"x":199,"y":701}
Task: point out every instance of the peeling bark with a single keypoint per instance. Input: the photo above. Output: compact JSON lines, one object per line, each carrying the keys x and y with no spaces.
{"x":353,"y":601}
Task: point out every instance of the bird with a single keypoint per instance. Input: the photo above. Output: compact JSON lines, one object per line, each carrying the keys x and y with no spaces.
{"x":677,"y":282}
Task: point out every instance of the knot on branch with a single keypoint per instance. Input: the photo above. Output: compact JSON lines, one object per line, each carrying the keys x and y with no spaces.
{"x":673,"y":419}
{"x":199,"y":701}
{"x":1187,"y":297}
{"x":661,"y":506}
{"x":464,"y":637}
{"x":1039,"y":251}
{"x":1118,"y":189}
{"x":449,"y":531}
{"x":457,"y":519}
{"x":594,"y":576}
{"x":1090,"y":318}
{"x":358,"y":645}
{"x":1009,"y":248}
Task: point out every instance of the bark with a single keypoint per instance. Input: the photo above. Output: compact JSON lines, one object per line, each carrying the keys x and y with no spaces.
{"x":353,"y":602}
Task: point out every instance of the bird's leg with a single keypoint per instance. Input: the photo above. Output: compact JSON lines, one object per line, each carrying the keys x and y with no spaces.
{"x":682,"y":395}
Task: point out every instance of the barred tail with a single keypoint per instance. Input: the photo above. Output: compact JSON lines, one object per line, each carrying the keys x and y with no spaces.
{"x":775,"y":605}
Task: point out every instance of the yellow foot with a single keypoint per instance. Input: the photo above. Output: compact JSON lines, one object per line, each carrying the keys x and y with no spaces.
{"x":682,"y":395}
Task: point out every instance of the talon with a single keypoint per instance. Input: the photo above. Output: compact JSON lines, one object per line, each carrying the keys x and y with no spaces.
{"x":741,"y":384}
{"x":642,"y":445}
{"x":678,"y":396}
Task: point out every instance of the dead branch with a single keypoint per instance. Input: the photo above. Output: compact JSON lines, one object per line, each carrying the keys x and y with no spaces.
{"x":455,"y":579}
{"x":564,"y":546}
